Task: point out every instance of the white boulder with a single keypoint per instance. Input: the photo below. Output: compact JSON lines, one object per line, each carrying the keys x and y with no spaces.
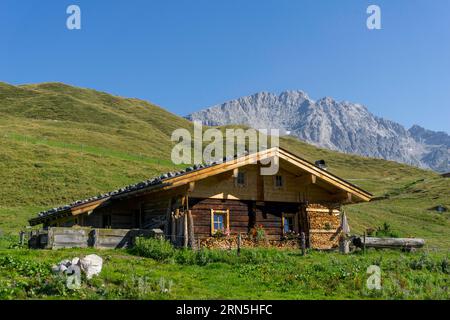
{"x":91,"y":265}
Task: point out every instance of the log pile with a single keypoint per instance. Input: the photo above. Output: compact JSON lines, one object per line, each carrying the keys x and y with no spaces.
{"x":324,"y":226}
{"x":389,"y":243}
{"x":231,"y":242}
{"x":325,"y":240}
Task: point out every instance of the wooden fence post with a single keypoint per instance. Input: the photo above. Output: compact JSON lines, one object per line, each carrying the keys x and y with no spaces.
{"x":303,"y":242}
{"x":239,"y":245}
{"x":186,"y":232}
{"x":173,"y":228}
{"x":364,"y":242}
{"x":191,"y":230}
{"x":50,"y":238}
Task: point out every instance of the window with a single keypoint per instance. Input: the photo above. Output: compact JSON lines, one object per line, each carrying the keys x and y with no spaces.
{"x":278,"y":181}
{"x":241,"y":179}
{"x":219,"y":221}
{"x":288,"y":222}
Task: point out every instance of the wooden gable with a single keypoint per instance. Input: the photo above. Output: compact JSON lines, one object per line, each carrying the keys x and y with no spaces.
{"x":302,"y":180}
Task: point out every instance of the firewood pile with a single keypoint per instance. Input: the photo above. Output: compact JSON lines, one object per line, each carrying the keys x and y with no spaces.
{"x":324,"y":240}
{"x":321,"y":220}
{"x":231,"y":242}
{"x":324,"y":223}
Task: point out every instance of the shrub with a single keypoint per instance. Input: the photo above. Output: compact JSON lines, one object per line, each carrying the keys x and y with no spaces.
{"x":24,"y":266}
{"x":424,"y":262}
{"x":202,"y":257}
{"x":160,"y":250}
{"x":445,"y":266}
{"x":385,"y":231}
{"x":186,"y":256}
{"x":9,"y":242}
{"x":257,"y":233}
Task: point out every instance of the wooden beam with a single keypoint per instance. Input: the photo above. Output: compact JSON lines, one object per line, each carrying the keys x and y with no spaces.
{"x":259,"y":187}
{"x":212,"y":221}
{"x":391,"y":243}
{"x":185,"y":231}
{"x":334,"y":211}
{"x":191,"y":186}
{"x":306,"y":179}
{"x":87,"y":207}
{"x":323,"y":231}
{"x":173,"y":229}
{"x":220,"y":168}
{"x":349,"y":197}
{"x":191,"y":229}
{"x":168,"y":216}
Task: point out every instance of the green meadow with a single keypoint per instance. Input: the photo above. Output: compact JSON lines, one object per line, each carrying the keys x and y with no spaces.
{"x":218,"y":274}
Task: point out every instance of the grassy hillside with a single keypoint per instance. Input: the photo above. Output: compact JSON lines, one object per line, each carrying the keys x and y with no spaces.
{"x":59,"y":143}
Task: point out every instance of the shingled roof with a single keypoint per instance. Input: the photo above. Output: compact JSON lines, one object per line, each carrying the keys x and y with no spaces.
{"x":140,"y":186}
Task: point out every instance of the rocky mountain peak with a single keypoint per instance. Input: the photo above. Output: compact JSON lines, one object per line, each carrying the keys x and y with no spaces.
{"x":342,"y":126}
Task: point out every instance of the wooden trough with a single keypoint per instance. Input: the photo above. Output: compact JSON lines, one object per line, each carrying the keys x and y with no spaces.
{"x":388,"y":243}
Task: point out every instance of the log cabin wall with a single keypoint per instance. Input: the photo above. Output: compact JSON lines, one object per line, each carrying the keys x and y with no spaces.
{"x":153,"y":213}
{"x":148,"y":211}
{"x":270,"y":214}
{"x":320,"y":224}
{"x":243,"y":216}
{"x":118,"y":215}
{"x":240,"y":215}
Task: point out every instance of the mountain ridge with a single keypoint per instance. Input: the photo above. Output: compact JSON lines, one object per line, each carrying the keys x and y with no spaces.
{"x":340,"y":126}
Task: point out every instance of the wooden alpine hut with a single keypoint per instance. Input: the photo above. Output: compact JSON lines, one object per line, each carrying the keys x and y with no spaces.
{"x":224,"y":198}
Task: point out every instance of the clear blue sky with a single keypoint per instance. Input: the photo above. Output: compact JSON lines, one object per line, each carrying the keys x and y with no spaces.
{"x":186,"y":55}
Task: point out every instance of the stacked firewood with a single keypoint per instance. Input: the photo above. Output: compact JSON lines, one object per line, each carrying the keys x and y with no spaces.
{"x":231,"y":242}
